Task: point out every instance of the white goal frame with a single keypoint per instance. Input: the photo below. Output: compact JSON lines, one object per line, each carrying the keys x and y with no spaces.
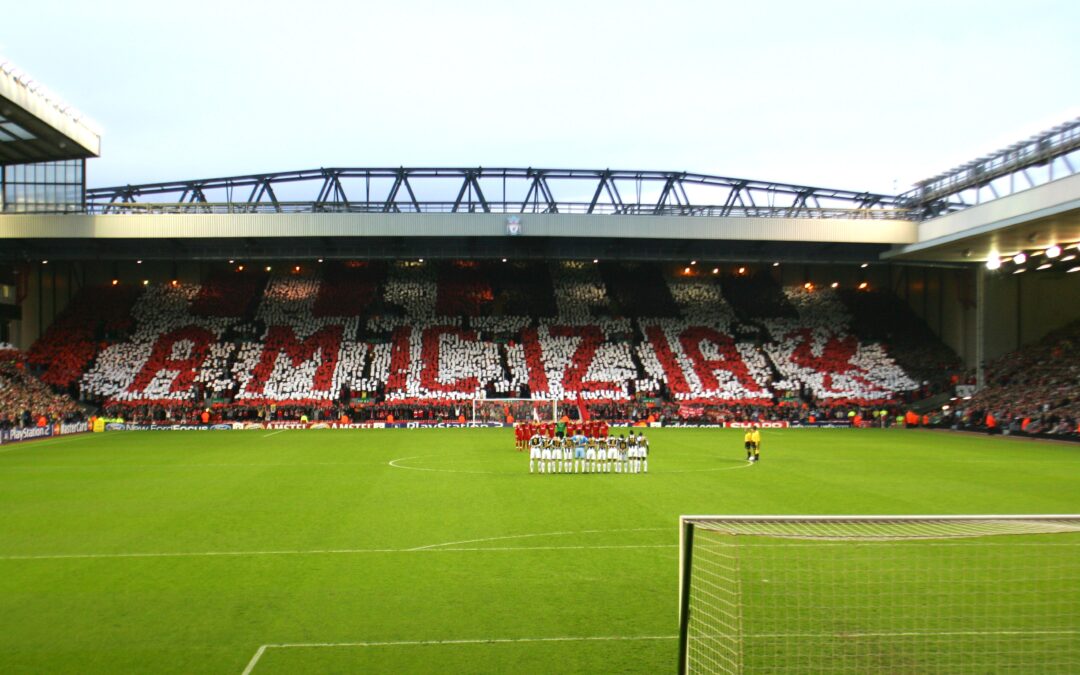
{"x":835,"y":529}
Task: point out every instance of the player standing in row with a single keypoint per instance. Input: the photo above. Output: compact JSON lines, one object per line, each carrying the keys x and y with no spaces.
{"x":579,"y":454}
{"x":579,"y":442}
{"x":639,"y":454}
{"x":536,"y":451}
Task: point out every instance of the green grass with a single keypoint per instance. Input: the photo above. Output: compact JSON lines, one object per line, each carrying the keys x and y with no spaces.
{"x":314,"y":529}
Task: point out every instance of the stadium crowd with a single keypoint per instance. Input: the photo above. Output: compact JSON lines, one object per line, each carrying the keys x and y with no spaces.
{"x":369,"y":342}
{"x":1034,"y":390}
{"x":26,"y":401}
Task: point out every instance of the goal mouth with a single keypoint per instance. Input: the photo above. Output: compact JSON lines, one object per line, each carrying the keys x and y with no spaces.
{"x":884,"y":528}
{"x":879,"y":594}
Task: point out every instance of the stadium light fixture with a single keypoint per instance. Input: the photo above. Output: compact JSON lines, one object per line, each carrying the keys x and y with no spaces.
{"x":834,"y":285}
{"x":1053,"y":252}
{"x":864,"y":265}
{"x":145,"y":282}
{"x":1073,"y":269}
{"x":231,"y":262}
{"x":44,"y":262}
{"x":1020,"y":258}
{"x":296,"y":269}
{"x":742,"y":270}
{"x":115,"y":282}
{"x":504,"y":259}
{"x":693,"y":262}
{"x":138,"y":262}
{"x":808,"y":286}
{"x":1044,"y":266}
{"x":686,"y":270}
{"x":1068,"y":258}
{"x":863,"y":286}
{"x":240,"y":268}
{"x":776,"y":264}
{"x":420,"y":260}
{"x":716,"y":270}
{"x":595,"y":261}
{"x":993,"y":262}
{"x":268,"y":268}
{"x":174,"y":283}
{"x":1020,"y":270}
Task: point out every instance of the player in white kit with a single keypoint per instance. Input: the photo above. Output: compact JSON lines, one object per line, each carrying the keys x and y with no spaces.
{"x":612,"y":454}
{"x":568,"y":454}
{"x":590,"y":456}
{"x":535,"y":452}
{"x":643,"y":452}
{"x":547,"y":464}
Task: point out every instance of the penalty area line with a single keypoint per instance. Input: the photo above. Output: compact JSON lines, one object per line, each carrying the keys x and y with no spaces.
{"x":273,"y":433}
{"x":422,"y":643}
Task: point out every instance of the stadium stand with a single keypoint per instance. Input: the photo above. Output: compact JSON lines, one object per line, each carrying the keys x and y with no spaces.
{"x":876,"y":316}
{"x":27,"y":401}
{"x":422,"y":339}
{"x":1034,"y":390}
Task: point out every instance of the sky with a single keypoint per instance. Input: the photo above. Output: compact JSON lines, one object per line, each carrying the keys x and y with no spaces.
{"x":855,"y":95}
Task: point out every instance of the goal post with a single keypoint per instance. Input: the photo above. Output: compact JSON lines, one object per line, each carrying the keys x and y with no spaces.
{"x":879,"y":594}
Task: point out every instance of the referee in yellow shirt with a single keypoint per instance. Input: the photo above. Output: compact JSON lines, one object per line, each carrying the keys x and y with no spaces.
{"x":752,"y":441}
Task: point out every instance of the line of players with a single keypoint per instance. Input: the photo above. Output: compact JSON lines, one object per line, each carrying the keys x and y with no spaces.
{"x":580,"y":454}
{"x":524,"y":431}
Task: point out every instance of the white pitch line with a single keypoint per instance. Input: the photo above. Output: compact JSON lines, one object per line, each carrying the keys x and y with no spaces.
{"x":538,"y":534}
{"x":182,"y":466}
{"x":420,"y":643}
{"x":254,"y":660}
{"x":273,"y":433}
{"x":394,"y":464}
{"x":329,"y":551}
{"x":871,"y":634}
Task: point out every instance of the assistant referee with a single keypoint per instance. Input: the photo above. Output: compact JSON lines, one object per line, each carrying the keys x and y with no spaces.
{"x":752,"y":442}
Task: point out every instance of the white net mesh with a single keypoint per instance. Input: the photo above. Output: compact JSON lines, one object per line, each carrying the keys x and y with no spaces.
{"x":971,"y":595}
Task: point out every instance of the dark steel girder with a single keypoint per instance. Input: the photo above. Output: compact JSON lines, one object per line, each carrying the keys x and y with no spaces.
{"x":525,"y":190}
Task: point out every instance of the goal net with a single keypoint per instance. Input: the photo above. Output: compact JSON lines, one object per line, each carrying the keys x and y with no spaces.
{"x":886,"y":594}
{"x":514,"y":409}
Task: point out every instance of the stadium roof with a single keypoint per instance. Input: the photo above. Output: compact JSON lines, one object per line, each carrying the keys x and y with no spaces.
{"x":36,"y":126}
{"x":1024,"y":197}
{"x":493,"y":190}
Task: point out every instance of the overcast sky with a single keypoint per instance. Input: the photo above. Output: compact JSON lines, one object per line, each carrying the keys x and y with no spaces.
{"x":856,"y":95}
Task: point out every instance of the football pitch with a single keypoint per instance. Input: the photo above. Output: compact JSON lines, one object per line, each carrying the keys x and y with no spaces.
{"x":427,"y":550}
